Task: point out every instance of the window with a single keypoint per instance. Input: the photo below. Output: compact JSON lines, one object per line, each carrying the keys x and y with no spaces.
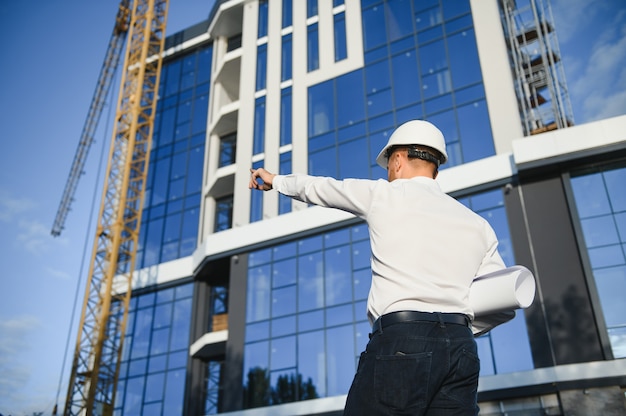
{"x":263,"y":18}
{"x":284,"y":202}
{"x":285,"y":116}
{"x":154,"y":358}
{"x":311,"y":8}
{"x":506,"y":348}
{"x":341,"y":51}
{"x":287,"y":13}
{"x":306,"y":317}
{"x":170,"y":215}
{"x":313,"y":54}
{"x":228,"y":150}
{"x":261,"y":67}
{"x":258,"y":145}
{"x":286,"y":61}
{"x":223,"y":213}
{"x":601,"y":204}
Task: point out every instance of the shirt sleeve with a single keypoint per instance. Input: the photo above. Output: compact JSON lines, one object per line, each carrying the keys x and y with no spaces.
{"x":492,"y":261}
{"x":351,"y":195}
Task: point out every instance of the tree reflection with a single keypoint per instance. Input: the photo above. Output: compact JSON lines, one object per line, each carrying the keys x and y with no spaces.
{"x":258,"y":391}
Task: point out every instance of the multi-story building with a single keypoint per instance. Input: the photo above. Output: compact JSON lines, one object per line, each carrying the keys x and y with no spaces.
{"x":249,"y":303}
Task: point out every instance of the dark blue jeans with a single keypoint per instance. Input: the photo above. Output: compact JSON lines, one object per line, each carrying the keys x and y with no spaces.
{"x":417,"y":368}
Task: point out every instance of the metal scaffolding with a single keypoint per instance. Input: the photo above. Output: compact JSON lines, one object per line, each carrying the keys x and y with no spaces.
{"x":539,"y":76}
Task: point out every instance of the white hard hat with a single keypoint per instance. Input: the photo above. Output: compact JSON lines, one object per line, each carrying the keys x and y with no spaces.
{"x":418,"y":132}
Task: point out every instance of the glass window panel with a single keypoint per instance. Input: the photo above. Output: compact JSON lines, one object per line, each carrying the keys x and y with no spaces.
{"x":180,"y":324}
{"x":321,"y":108}
{"x":259,"y":126}
{"x":620,"y":222}
{"x":595,"y":200}
{"x":284,"y":273}
{"x":377,"y":77}
{"x":310,"y":282}
{"x":154,"y":387}
{"x":171,"y":230}
{"x":485,"y":352}
{"x":353,"y":159}
{"x":455,"y":8}
{"x":617,"y":337}
{"x":350,"y":98}
{"x":399,"y":18}
{"x":285,"y":117}
{"x":323,"y":163}
{"x":361,"y":254}
{"x":340,"y":315}
{"x":599,"y":231}
{"x":287,"y":13}
{"x":341,"y":49}
{"x":311,"y":320}
{"x":263,"y":18}
{"x":474,"y":124}
{"x":223,"y":213}
{"x":615,"y":180}
{"x":257,"y":331}
{"x":351,"y":132}
{"x":160,"y":341}
{"x":606,"y":256}
{"x":133,"y":395}
{"x":137,"y":367}
{"x":259,"y":257}
{"x":311,"y":8}
{"x":379,"y":103}
{"x":463,"y":22}
{"x":228,"y":150}
{"x":428,"y":18}
{"x":339,"y":370}
{"x":189,"y":231}
{"x":374,"y":30}
{"x":311,"y":360}
{"x":261,"y":67}
{"x":162,"y":314}
{"x":405,"y":78}
{"x":362,"y":282}
{"x":283,"y":353}
{"x":313,"y":54}
{"x":200,"y":113}
{"x":284,"y":301}
{"x":310,"y":244}
{"x":338,"y":275}
{"x":436,"y":84}
{"x":177,"y":360}
{"x":157,"y":363}
{"x":611,"y":283}
{"x":511,"y":351}
{"x":284,"y":326}
{"x":194,"y":170}
{"x":464,"y":64}
{"x":259,"y":292}
{"x":174,"y":392}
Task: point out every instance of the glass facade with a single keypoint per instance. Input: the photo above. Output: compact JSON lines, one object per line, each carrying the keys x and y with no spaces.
{"x":601,"y":204}
{"x":421,"y":62}
{"x":154,"y":359}
{"x":305,"y":293}
{"x":172,"y":200}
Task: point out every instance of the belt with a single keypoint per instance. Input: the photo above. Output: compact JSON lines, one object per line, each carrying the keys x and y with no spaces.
{"x":415,"y":316}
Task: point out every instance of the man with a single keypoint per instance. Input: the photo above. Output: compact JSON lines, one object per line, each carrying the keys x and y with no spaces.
{"x":426,"y":250}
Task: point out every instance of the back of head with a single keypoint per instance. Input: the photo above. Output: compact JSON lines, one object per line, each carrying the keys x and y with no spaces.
{"x":416,"y":132}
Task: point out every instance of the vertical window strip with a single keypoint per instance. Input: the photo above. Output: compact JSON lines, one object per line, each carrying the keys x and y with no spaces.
{"x":261,"y":67}
{"x":263,"y":16}
{"x":256,"y":199}
{"x":313,"y":58}
{"x":341,"y":51}
{"x":287,"y":58}
{"x":287,"y":13}
{"x":311,"y":8}
{"x":258,"y":145}
{"x":285,"y":116}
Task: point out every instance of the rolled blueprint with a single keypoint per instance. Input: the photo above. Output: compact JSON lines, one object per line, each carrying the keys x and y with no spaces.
{"x":505,"y":290}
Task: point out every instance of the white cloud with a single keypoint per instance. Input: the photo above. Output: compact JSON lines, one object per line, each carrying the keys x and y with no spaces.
{"x":59,"y":274}
{"x":33,"y":236}
{"x":14,"y":342}
{"x":11,"y":207}
{"x":602,"y":83}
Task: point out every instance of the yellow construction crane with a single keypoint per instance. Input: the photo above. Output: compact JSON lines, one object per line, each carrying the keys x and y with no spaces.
{"x":96,"y":362}
{"x":107,"y":72}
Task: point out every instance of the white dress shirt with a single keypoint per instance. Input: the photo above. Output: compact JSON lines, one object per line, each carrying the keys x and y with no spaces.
{"x":426,"y":247}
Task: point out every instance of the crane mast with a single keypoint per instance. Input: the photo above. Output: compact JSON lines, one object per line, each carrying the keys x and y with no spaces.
{"x":96,"y":363}
{"x":111,"y":61}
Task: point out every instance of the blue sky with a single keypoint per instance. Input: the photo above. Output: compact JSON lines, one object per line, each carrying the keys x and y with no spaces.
{"x":52,"y":51}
